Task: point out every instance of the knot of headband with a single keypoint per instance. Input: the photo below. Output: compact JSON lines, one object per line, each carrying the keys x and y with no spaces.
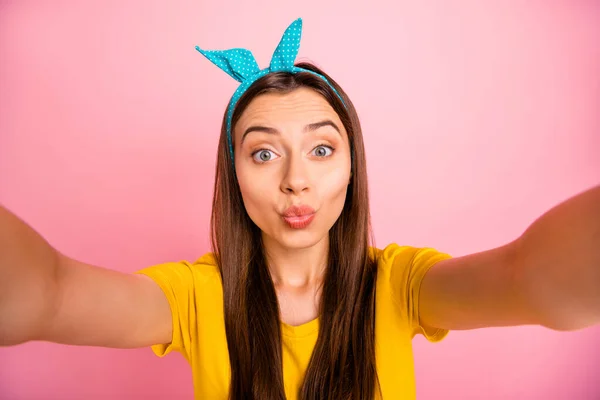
{"x":241,"y":65}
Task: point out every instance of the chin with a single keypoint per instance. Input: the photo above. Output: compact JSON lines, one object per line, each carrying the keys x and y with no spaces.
{"x":297,"y":239}
{"x":300,"y":241}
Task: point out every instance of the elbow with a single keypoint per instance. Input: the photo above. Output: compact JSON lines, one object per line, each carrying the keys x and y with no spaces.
{"x":27,"y":307}
{"x":560,"y":313}
{"x":555,"y":294}
{"x":575,"y":321}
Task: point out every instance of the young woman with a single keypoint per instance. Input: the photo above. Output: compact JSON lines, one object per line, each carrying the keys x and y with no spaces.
{"x":294,"y":301}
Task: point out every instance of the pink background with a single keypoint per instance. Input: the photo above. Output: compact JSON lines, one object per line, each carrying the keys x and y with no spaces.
{"x":478,"y":116}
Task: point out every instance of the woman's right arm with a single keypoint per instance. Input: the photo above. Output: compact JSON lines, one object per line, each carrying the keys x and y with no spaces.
{"x":45,"y":295}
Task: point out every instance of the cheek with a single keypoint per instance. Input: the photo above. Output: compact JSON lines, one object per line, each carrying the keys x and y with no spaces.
{"x":256,"y":194}
{"x":333,"y":187}
{"x":258,"y":191}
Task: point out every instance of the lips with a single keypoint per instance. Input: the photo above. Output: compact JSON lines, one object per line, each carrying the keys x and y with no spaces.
{"x":298,"y":211}
{"x":298,"y":217}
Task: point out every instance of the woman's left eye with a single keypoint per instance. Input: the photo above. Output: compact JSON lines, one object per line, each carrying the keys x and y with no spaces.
{"x":321,"y":151}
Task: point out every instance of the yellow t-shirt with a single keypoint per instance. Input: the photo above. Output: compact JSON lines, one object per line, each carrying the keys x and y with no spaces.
{"x":195,"y":295}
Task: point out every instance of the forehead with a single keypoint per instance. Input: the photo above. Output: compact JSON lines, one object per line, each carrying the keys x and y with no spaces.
{"x":300,"y":107}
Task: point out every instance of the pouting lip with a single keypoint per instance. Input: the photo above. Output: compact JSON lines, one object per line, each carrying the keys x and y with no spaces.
{"x":298,"y":211}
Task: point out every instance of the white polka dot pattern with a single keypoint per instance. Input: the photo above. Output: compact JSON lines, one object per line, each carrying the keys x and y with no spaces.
{"x":287,"y":50}
{"x":241,"y":65}
{"x":238,"y":63}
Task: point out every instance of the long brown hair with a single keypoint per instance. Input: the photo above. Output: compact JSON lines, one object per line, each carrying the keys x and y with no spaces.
{"x":342,"y":365}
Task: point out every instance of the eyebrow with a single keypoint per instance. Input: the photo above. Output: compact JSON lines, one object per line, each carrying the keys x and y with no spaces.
{"x":308,"y":128}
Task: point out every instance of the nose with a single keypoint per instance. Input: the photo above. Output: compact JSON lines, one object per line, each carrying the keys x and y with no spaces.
{"x":295,"y":179}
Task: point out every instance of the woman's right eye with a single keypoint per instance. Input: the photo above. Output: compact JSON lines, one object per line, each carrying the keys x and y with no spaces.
{"x":262,"y":155}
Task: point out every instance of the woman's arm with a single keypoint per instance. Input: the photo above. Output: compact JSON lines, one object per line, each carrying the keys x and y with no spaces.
{"x":45,"y":295}
{"x":549,"y":276}
{"x":558,"y":264}
{"x":28,"y":266}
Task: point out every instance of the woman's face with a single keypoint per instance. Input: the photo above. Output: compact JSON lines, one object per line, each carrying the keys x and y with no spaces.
{"x":292,"y":150}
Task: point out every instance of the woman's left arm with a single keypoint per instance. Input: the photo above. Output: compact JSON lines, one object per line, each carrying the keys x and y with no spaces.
{"x":549,"y":276}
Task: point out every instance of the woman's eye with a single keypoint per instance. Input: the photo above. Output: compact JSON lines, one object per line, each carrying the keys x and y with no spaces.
{"x":321,"y":151}
{"x":262,"y":155}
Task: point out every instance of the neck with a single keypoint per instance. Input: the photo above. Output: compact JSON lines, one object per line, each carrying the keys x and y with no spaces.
{"x":296,"y":267}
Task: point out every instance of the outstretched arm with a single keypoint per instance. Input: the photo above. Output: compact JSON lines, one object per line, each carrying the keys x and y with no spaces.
{"x":549,"y":276}
{"x":45,"y":295}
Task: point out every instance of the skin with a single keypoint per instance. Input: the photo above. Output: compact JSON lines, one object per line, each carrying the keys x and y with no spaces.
{"x":293,"y":166}
{"x":548,"y":276}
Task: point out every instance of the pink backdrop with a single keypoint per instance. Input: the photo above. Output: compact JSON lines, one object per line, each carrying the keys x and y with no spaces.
{"x":478,"y":117}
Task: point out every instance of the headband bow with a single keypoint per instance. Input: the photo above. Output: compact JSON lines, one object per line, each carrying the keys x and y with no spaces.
{"x":241,"y":65}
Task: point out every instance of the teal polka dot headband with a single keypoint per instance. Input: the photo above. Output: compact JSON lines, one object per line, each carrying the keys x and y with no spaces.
{"x":241,"y":65}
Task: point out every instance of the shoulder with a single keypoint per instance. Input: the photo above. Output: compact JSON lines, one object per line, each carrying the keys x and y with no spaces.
{"x":395,"y":253}
{"x":202,"y":271}
{"x":403,"y":262}
{"x":400,"y":273}
{"x":207,"y":266}
{"x":390,"y":252}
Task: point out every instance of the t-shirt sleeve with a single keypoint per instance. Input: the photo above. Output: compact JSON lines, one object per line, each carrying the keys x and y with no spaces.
{"x":407,"y":268}
{"x":176,"y":279}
